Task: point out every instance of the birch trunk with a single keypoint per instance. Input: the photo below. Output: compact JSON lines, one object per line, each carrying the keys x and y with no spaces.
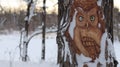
{"x":25,"y":39}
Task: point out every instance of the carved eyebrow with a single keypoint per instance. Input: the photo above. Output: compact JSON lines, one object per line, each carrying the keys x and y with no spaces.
{"x":93,"y":10}
{"x":80,"y":9}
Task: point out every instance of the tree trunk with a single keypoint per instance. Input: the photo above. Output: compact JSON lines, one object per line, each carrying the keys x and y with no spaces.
{"x":82,"y":37}
{"x":43,"y":27}
{"x":25,"y":44}
{"x":108,"y":12}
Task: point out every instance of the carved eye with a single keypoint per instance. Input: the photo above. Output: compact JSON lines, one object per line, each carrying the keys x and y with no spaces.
{"x":80,"y":18}
{"x":92,"y":18}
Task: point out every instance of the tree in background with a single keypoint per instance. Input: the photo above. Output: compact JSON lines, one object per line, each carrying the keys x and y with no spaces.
{"x":85,"y":33}
{"x":24,"y":33}
{"x":28,"y":17}
{"x":44,"y":29}
{"x":116,"y":22}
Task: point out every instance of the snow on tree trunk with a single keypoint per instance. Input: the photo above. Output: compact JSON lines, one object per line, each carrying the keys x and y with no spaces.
{"x":66,"y":57}
{"x":30,"y":10}
{"x":83,"y":39}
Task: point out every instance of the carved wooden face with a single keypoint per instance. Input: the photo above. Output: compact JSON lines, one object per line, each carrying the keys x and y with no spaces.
{"x":88,"y":32}
{"x":89,"y":28}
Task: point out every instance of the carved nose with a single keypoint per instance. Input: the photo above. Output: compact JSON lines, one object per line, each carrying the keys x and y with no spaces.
{"x":86,"y":25}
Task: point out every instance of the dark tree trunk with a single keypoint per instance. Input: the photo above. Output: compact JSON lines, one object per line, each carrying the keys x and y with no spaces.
{"x":60,"y":11}
{"x":108,"y":12}
{"x":43,"y":32}
{"x":63,"y":10}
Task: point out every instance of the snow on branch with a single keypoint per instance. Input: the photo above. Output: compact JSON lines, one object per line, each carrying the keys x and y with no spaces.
{"x":37,"y":33}
{"x":34,"y":34}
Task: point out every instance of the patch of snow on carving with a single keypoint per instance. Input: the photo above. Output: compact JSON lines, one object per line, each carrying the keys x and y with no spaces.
{"x":72,"y":25}
{"x":81,"y":59}
{"x":103,"y":44}
{"x":67,"y":51}
{"x":99,"y":2}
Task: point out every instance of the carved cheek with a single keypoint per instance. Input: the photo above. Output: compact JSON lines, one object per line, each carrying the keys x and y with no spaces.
{"x":95,"y":34}
{"x":96,"y":22}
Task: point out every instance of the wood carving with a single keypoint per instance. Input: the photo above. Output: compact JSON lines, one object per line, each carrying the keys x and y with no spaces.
{"x":89,"y":28}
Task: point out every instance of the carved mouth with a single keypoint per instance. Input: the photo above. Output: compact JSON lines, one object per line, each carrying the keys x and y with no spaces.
{"x":91,"y":46}
{"x":88,"y":41}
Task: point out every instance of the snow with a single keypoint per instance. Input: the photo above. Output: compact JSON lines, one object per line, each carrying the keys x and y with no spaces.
{"x":102,"y":54}
{"x":71,"y":31}
{"x":72,"y":25}
{"x":9,"y":51}
{"x":111,"y":48}
{"x":99,"y":25}
{"x":67,"y":51}
{"x":27,"y":18}
{"x":31,"y":11}
{"x":61,"y":22}
{"x":26,"y":64}
{"x":117,"y":50}
{"x":32,"y":8}
{"x":25,"y":38}
{"x":99,"y":2}
{"x":81,"y":59}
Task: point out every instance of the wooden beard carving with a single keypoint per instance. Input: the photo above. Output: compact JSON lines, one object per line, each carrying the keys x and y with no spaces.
{"x":88,"y":30}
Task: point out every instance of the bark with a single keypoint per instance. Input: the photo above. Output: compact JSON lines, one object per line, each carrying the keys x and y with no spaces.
{"x":108,"y":12}
{"x":63,"y":11}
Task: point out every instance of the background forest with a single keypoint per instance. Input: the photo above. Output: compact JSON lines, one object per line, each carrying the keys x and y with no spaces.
{"x":14,"y":21}
{"x":116,"y":22}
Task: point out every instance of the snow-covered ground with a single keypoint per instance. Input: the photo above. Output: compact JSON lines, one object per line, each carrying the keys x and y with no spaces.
{"x":9,"y":51}
{"x":26,"y":64}
{"x":117,"y":49}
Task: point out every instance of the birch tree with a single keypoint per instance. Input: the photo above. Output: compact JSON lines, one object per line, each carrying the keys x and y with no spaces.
{"x":24,"y":45}
{"x":25,"y":38}
{"x":84,"y":34}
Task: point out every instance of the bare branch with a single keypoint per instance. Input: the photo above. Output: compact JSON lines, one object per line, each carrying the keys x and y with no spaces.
{"x":2,"y":21}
